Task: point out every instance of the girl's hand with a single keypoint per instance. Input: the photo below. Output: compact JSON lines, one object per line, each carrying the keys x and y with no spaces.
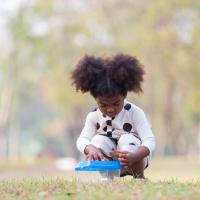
{"x":127,"y":159}
{"x":93,"y":153}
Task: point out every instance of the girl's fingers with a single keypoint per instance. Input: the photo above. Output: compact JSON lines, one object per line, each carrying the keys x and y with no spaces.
{"x":95,"y":156}
{"x":122,"y":159}
{"x":89,"y":157}
{"x":101,"y":157}
{"x":123,"y":156}
{"x":124,"y":152}
{"x":98,"y":156}
{"x":124,"y":164}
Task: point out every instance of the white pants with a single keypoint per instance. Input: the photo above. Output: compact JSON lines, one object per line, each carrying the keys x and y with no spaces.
{"x":127,"y":142}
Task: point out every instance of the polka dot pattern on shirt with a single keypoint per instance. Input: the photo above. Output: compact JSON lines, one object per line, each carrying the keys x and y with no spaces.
{"x":127,"y":106}
{"x":94,"y":110}
{"x":127,"y":121}
{"x":97,"y":125}
{"x":109,"y":133}
{"x":104,"y":115}
{"x":127,"y":127}
{"x":105,"y":128}
{"x":109,"y":122}
{"x":108,"y":128}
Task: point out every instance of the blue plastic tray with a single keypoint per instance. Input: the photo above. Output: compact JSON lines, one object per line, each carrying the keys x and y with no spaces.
{"x":93,"y":165}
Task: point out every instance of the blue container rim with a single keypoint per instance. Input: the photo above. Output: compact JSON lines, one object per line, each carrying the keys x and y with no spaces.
{"x":93,"y":165}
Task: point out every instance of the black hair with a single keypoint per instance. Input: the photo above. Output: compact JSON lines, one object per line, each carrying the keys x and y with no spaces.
{"x":108,"y":76}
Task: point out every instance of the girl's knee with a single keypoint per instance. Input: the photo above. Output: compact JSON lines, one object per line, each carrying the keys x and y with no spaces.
{"x":103,"y":143}
{"x":128,"y":142}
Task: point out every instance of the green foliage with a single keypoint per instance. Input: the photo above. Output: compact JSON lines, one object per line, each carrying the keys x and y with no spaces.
{"x":151,"y":31}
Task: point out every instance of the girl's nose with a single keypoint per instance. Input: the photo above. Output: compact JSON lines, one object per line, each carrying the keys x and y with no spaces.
{"x":110,"y":110}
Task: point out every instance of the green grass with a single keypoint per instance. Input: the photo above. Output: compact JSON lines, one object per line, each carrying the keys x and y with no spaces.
{"x":119,"y":189}
{"x":168,"y":178}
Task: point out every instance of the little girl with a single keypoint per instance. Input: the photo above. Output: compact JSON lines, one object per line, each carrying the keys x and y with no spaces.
{"x":116,"y":124}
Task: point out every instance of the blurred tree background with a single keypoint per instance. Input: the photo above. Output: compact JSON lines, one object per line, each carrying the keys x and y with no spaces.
{"x":40,"y":112}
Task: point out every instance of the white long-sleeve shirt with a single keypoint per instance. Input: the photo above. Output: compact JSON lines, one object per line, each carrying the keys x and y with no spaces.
{"x":131,"y":119}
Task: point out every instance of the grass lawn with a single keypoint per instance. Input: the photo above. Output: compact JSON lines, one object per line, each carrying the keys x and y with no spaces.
{"x":123,"y":189}
{"x":169,"y":178}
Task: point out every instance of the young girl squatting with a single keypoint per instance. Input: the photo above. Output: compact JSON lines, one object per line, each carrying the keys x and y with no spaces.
{"x":116,"y":124}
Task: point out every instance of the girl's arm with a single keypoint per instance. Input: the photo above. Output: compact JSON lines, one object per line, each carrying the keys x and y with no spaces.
{"x":144,"y":131}
{"x":127,"y":159}
{"x":84,"y":141}
{"x":87,"y":133}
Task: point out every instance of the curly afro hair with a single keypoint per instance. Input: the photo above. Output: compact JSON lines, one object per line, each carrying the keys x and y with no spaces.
{"x":108,"y":76}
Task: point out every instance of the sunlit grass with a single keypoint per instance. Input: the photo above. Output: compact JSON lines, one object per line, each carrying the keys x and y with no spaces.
{"x":168,"y":178}
{"x":119,"y":189}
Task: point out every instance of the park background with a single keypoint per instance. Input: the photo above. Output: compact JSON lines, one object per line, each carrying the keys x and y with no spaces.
{"x":41,"y":114}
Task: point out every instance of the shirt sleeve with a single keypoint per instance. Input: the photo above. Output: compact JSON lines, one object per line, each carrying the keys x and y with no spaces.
{"x":143,"y":129}
{"x":87,"y":133}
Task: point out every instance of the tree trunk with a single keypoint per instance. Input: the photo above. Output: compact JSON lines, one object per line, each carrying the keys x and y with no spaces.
{"x":171,"y":119}
{"x":7,"y":104}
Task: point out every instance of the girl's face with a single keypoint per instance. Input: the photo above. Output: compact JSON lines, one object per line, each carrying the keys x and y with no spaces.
{"x":110,"y":105}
